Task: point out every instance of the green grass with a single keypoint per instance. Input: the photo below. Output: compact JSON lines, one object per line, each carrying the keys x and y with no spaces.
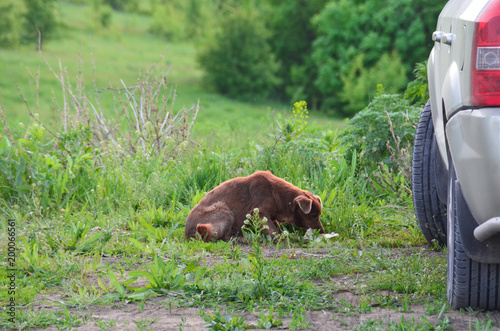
{"x":122,"y":52}
{"x":98,"y":227}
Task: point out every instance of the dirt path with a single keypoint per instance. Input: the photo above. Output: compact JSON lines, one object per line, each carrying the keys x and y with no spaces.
{"x":153,"y":315}
{"x":163,"y":313}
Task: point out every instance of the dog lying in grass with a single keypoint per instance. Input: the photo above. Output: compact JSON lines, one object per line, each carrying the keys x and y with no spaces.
{"x":222,"y":212}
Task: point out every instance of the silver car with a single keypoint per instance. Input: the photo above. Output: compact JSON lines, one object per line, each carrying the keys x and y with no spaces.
{"x":456,"y":157}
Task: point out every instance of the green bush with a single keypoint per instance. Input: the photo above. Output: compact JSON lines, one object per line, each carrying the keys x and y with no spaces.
{"x":101,"y":14}
{"x":238,"y":62}
{"x":47,"y":174}
{"x":418,"y":89}
{"x":39,"y":18}
{"x":345,"y":29}
{"x":169,"y":20}
{"x":368,"y":133}
{"x":292,"y":35}
{"x":10,"y":24}
{"x":360,"y":84}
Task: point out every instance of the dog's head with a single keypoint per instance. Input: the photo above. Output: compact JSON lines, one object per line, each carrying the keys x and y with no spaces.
{"x":307,"y":209}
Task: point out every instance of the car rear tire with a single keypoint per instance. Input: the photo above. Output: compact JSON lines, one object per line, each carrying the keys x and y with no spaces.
{"x":429,"y":210}
{"x":470,"y":283}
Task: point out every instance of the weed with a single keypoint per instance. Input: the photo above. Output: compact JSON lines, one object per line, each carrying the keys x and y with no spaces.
{"x":299,"y":320}
{"x":482,"y":325}
{"x":223,"y":321}
{"x":121,"y":290}
{"x":254,"y":227}
{"x":104,"y":325}
{"x":163,"y":277}
{"x":170,"y":304}
{"x":83,"y":298}
{"x":143,"y":323}
{"x":268,"y":321}
{"x":30,"y":318}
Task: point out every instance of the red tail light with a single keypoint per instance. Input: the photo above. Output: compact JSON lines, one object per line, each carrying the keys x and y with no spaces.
{"x":485,"y":89}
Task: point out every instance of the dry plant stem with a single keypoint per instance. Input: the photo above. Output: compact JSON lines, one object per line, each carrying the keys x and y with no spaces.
{"x":402,"y":161}
{"x":7,"y":129}
{"x":151,"y":127}
{"x":384,"y":178}
{"x":28,"y":106}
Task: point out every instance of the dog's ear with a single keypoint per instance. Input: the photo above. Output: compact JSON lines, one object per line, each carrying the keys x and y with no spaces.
{"x":319,"y":199}
{"x":304,"y":203}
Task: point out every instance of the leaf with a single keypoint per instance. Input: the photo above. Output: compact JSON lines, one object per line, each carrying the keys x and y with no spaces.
{"x":140,"y":246}
{"x":114,"y":281}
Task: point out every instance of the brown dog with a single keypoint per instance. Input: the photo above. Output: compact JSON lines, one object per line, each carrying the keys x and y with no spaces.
{"x":221,"y":213}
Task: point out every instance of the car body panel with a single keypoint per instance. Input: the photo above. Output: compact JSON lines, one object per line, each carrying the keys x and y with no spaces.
{"x":449,"y":65}
{"x":474,"y":141}
{"x":466,"y":135}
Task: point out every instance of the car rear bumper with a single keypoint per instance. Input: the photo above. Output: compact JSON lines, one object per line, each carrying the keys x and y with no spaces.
{"x":473,"y":137}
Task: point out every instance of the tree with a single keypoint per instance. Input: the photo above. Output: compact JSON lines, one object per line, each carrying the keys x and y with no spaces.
{"x":292,"y":35}
{"x":40,"y":19}
{"x":10,"y":24}
{"x":348,"y":28}
{"x":238,"y":61}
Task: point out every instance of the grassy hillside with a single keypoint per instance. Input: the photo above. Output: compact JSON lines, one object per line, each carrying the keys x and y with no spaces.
{"x":119,"y":53}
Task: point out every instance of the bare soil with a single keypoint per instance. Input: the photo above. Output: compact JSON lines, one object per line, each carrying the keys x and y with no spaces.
{"x":155,"y":313}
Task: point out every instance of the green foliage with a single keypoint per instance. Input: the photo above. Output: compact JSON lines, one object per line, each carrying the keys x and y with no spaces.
{"x":418,"y":89}
{"x":39,"y":18}
{"x":81,"y":241}
{"x":360,"y":83}
{"x":268,"y":321}
{"x":254,"y":226}
{"x":347,"y":29}
{"x":223,"y":322}
{"x":30,"y":318}
{"x":101,"y":14}
{"x":170,"y":20}
{"x":294,"y":125}
{"x":238,"y":61}
{"x":22,"y":21}
{"x":163,"y":277}
{"x":46,"y":173}
{"x":121,"y":290}
{"x":368,"y":133}
{"x":299,"y":320}
{"x":10,"y":24}
{"x":292,"y":37}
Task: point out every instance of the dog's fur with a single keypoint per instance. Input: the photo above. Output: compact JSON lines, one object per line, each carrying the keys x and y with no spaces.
{"x":221,"y":213}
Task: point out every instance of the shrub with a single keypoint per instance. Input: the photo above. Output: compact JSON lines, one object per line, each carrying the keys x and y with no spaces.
{"x":418,"y":89}
{"x":40,"y":19}
{"x":47,"y":173}
{"x":292,"y":35}
{"x":238,"y":62}
{"x":368,"y":133}
{"x":10,"y":24}
{"x":101,"y":14}
{"x":360,"y":84}
{"x":169,"y":20}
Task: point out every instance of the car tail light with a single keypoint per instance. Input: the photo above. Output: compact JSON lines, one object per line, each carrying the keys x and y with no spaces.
{"x":485,"y":89}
